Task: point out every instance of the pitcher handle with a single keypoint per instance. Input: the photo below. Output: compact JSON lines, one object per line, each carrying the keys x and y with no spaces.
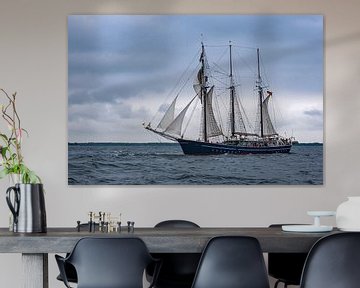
{"x":13,"y":208}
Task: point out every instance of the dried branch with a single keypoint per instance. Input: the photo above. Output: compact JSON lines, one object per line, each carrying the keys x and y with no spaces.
{"x":12,"y":159}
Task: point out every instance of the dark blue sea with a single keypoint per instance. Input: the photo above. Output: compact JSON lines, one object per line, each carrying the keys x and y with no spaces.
{"x":165,"y":164}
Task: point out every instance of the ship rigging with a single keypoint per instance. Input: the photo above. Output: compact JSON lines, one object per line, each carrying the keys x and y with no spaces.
{"x":237,"y":139}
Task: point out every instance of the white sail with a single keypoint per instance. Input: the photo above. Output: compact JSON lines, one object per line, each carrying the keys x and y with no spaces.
{"x":168,"y":116}
{"x":269,"y":129}
{"x":239,"y":121}
{"x":175,"y":126}
{"x":212,"y":128}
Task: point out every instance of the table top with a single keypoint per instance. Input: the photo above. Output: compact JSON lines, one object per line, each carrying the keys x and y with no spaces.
{"x":158,"y":240}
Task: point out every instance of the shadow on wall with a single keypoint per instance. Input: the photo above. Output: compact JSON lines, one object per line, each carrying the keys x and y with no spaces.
{"x":344,"y":39}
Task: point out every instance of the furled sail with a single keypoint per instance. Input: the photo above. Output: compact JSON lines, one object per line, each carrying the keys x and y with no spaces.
{"x":176,"y":125}
{"x":203,"y":74}
{"x":197,"y":83}
{"x":168,"y":116}
{"x":269,"y":129}
{"x":212,"y":128}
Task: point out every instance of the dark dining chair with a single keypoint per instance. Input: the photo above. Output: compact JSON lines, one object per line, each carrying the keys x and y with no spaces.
{"x":232,"y":262}
{"x":333,"y":262}
{"x":286,"y":267}
{"x":70,"y":271}
{"x":178,"y":269}
{"x":108,"y":263}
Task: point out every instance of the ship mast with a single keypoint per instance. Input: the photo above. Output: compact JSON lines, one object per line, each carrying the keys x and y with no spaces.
{"x":203,"y":91}
{"x":260,"y":91}
{"x":232,"y":98}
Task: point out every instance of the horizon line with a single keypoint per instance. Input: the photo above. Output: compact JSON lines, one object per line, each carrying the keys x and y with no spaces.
{"x":113,"y":142}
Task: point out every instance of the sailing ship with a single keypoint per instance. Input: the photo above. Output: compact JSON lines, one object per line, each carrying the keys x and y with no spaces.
{"x":212,"y":139}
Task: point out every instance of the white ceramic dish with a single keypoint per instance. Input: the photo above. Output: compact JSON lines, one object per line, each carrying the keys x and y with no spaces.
{"x":306,"y":228}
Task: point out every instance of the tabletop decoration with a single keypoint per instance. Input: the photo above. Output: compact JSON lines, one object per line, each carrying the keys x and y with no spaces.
{"x":348,"y":214}
{"x":315,"y":227}
{"x":25,"y":197}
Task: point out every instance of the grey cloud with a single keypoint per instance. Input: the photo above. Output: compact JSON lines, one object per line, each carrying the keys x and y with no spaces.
{"x":314,"y":112}
{"x":122,"y":89}
{"x":118,"y":59}
{"x":105,"y":113}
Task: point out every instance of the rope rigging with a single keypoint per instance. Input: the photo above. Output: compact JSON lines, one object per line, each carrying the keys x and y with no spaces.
{"x":218,"y":97}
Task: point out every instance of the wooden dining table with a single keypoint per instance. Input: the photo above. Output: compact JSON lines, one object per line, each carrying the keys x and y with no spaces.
{"x":35,"y":247}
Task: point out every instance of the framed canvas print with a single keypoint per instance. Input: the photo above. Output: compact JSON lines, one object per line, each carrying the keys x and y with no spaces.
{"x":195,"y":99}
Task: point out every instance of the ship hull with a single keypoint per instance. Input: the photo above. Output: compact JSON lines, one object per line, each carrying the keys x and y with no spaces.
{"x":190,"y":147}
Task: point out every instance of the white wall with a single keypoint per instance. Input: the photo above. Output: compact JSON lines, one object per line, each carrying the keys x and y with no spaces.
{"x":33,"y":62}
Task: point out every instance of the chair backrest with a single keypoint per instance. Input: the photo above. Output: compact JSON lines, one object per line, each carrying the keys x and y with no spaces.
{"x":178,"y":269}
{"x":286,"y":267}
{"x":333,"y":262}
{"x":110,"y":262}
{"x":176,"y":224}
{"x":232,"y":262}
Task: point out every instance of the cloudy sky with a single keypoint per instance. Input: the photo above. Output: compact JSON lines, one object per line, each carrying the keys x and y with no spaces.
{"x":123,"y":69}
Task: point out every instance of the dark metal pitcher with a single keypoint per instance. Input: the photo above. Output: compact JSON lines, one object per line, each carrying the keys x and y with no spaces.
{"x":28,"y":207}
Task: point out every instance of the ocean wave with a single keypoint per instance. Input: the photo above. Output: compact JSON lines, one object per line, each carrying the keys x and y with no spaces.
{"x":166,"y":165}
